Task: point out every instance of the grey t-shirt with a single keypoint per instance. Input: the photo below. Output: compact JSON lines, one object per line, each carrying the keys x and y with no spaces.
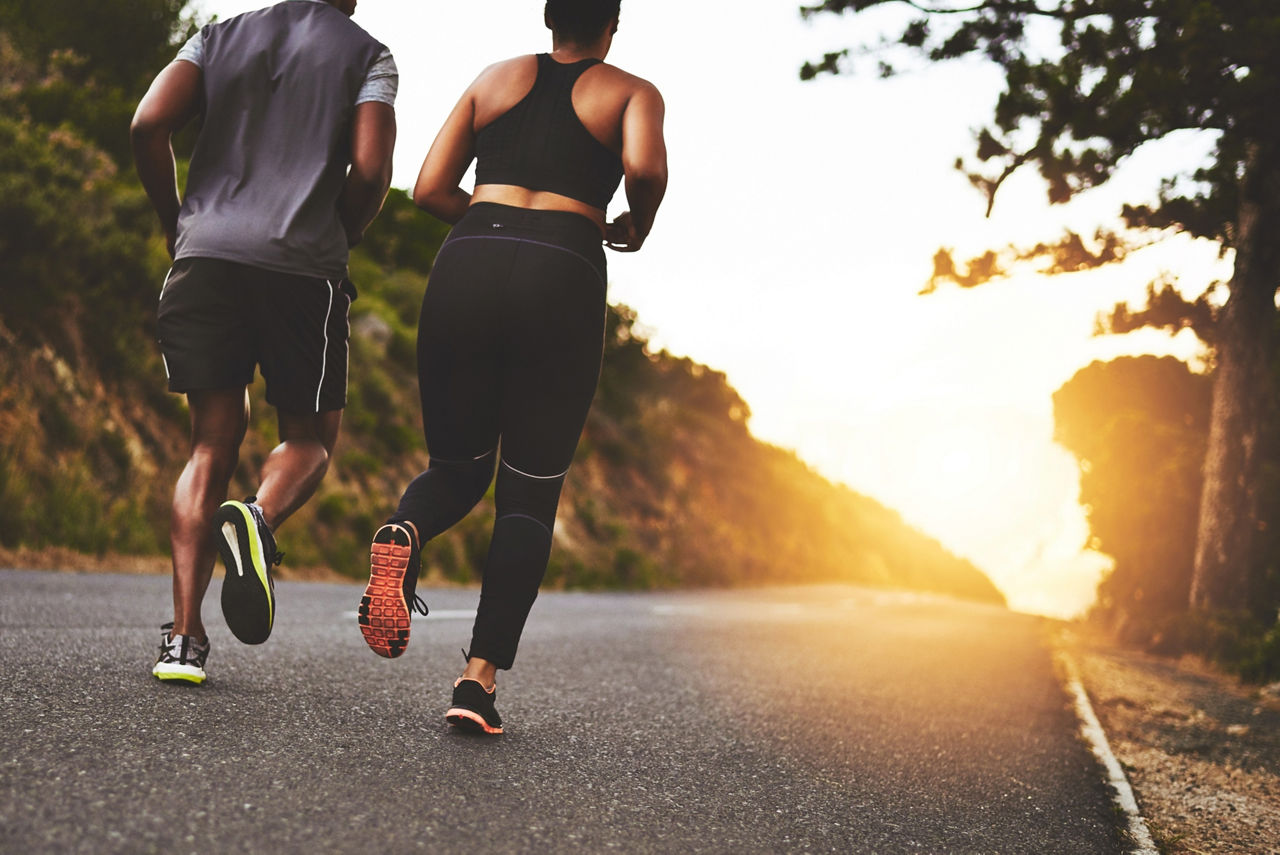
{"x":380,"y":84}
{"x":280,"y":89}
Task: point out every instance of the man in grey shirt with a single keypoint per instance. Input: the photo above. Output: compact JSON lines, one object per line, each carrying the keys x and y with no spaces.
{"x":292,"y":163}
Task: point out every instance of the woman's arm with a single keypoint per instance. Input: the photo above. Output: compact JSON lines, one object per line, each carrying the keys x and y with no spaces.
{"x":644,"y":163}
{"x":437,"y":191}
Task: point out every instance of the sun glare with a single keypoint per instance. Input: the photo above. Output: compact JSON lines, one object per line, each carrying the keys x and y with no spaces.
{"x":959,"y":478}
{"x":960,"y":464}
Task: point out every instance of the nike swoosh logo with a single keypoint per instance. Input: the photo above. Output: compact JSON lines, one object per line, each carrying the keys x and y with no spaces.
{"x":229,"y":534}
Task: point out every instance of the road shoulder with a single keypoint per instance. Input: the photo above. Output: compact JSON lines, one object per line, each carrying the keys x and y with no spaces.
{"x":1201,"y":751}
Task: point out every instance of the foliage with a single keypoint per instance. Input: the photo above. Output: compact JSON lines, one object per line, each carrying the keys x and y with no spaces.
{"x":1089,"y":81}
{"x":1165,"y":309}
{"x":1138,"y":426}
{"x":1235,"y":639}
{"x":125,"y":41}
{"x":60,"y":194}
{"x":1068,"y":254}
{"x":404,"y":239}
{"x":92,"y":61}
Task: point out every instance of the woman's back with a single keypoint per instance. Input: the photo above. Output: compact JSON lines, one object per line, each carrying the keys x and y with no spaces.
{"x":541,"y":143}
{"x":599,"y":97}
{"x":555,"y":132}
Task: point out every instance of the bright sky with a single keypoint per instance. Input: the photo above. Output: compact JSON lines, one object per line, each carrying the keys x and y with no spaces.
{"x":800,"y":224}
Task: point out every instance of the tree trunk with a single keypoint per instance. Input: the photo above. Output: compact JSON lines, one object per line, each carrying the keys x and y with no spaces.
{"x":1227,"y":538}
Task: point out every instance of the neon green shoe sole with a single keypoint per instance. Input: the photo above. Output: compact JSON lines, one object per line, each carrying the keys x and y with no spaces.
{"x":248,"y":553}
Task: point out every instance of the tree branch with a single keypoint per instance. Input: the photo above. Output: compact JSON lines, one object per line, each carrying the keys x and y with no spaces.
{"x":1166,"y":309}
{"x":1025,"y":7}
{"x":1068,"y":254}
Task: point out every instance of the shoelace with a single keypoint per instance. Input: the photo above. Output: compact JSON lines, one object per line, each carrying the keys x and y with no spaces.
{"x":184,"y":650}
{"x":411,"y":598}
{"x":277,"y":555}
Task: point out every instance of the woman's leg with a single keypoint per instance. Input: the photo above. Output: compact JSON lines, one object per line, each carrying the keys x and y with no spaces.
{"x":553,"y":340}
{"x":459,"y":372}
{"x":459,"y":379}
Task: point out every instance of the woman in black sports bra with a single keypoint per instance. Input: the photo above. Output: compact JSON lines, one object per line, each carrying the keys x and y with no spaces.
{"x":512,"y":325}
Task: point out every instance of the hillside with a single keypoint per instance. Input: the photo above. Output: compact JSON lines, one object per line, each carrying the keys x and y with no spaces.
{"x":668,"y":488}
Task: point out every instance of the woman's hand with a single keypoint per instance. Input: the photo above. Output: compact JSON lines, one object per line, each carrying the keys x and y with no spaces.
{"x":621,"y":234}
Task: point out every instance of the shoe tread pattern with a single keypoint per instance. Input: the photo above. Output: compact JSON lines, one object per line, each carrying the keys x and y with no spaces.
{"x":383,"y":614}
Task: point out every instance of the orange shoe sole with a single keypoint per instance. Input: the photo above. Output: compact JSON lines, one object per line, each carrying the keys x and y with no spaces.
{"x":464,"y":719}
{"x":383,"y":613}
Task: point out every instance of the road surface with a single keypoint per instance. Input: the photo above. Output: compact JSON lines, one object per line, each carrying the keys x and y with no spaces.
{"x":782,"y":720}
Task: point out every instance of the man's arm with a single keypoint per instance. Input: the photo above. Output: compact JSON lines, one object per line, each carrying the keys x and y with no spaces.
{"x":373,"y":141}
{"x":171,"y":102}
{"x":644,"y":163}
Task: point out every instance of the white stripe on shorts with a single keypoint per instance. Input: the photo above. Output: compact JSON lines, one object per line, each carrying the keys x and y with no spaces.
{"x":324,"y":356}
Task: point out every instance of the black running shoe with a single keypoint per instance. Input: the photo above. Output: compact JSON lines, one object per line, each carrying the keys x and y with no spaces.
{"x":248,"y":551}
{"x":391,"y":595}
{"x":473,"y":709}
{"x":181,"y":657}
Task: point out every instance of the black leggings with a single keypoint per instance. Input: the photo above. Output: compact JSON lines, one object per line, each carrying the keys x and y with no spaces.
{"x":509,"y":347}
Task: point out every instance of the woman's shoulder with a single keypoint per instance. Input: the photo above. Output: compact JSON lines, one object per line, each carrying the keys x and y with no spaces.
{"x":616,"y":76}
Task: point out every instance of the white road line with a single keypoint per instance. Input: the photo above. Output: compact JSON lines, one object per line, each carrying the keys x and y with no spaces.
{"x":436,"y":614}
{"x":678,"y":609}
{"x":1091,"y":729}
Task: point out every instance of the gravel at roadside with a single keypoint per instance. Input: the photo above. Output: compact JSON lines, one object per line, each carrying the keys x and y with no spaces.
{"x":1201,"y":750}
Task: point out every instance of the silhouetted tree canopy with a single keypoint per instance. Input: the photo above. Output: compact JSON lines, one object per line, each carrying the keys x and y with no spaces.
{"x":1068,"y":254}
{"x":1165,"y":309}
{"x":1138,"y":427}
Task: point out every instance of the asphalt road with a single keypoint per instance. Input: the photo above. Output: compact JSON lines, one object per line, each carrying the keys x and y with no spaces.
{"x":786,"y":720}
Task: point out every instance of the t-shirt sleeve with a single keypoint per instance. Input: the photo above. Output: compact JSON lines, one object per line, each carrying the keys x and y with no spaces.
{"x":193,"y":50}
{"x":382,"y":81}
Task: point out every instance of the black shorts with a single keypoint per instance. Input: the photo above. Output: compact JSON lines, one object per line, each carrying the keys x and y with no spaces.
{"x":218,"y":320}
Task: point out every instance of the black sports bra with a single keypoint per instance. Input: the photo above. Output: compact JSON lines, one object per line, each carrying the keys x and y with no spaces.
{"x":541,"y":144}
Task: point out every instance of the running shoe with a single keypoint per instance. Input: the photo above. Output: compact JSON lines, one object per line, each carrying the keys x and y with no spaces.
{"x":248,"y":551}
{"x":390,"y":597}
{"x":473,"y":708}
{"x":181,"y":657}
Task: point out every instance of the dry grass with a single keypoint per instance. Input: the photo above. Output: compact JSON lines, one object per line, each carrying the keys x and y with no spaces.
{"x":56,"y":558}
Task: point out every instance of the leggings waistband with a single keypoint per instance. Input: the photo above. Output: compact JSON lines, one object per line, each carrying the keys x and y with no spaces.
{"x":560,"y":229}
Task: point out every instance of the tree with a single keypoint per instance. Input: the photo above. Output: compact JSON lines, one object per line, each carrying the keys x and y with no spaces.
{"x":1119,"y":74}
{"x":1138,"y":427}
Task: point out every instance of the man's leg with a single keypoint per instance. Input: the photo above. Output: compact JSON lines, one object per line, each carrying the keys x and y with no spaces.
{"x":296,"y":466}
{"x":218,"y":421}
